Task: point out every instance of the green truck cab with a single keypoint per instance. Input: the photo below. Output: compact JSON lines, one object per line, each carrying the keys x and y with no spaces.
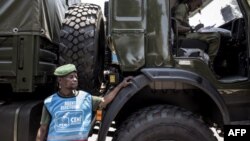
{"x":173,"y":96}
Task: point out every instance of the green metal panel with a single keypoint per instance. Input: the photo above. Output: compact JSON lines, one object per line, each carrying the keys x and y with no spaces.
{"x":140,"y":33}
{"x":28,"y":54}
{"x":158,"y":34}
{"x":128,"y":26}
{"x":26,"y":61}
{"x":7,"y":57}
{"x":130,"y":50}
{"x":24,"y":74}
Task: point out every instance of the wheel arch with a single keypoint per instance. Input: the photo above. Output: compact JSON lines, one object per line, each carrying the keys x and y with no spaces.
{"x":160,"y":74}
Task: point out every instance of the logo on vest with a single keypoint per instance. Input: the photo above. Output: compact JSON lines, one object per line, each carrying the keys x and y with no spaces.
{"x":68,"y":120}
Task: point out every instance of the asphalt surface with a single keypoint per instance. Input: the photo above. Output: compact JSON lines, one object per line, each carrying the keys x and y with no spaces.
{"x":94,"y":137}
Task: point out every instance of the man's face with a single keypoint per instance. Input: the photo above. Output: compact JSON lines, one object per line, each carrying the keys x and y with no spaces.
{"x":69,"y":81}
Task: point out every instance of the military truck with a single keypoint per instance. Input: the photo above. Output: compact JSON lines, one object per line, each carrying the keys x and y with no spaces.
{"x":30,"y":50}
{"x":173,"y":96}
{"x":33,"y":37}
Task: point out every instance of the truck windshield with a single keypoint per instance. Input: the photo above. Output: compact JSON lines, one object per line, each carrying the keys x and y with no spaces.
{"x":217,"y":13}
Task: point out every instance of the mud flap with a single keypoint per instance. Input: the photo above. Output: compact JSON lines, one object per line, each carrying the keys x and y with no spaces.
{"x":20,"y":120}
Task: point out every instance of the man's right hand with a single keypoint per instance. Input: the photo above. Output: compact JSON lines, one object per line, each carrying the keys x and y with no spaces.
{"x":198,"y":26}
{"x":126,"y":81}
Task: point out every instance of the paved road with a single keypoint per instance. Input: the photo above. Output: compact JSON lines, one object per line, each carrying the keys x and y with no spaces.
{"x":94,"y":137}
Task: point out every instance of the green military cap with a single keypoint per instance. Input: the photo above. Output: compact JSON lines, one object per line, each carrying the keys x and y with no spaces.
{"x":65,"y":69}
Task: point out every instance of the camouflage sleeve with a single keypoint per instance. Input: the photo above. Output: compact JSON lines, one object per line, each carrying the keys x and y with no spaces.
{"x":96,"y":102}
{"x":181,"y":14}
{"x":45,"y":119}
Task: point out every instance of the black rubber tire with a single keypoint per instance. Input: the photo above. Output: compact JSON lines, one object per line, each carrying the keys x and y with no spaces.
{"x":106,"y":9}
{"x":106,"y":14}
{"x":83,"y":43}
{"x":163,"y":122}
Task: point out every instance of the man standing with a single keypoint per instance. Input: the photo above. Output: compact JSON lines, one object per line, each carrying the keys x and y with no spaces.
{"x":180,"y":13}
{"x":67,"y":114}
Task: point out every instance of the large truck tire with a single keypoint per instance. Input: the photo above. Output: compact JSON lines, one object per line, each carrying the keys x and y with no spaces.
{"x":106,"y":10}
{"x":164,"y":122}
{"x":20,"y":120}
{"x":83,"y":44}
{"x":106,"y":14}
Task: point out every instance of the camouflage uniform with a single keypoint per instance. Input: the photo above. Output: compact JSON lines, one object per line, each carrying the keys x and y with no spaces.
{"x":181,"y":13}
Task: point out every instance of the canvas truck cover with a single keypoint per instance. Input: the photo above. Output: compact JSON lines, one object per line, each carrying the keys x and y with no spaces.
{"x":35,"y":17}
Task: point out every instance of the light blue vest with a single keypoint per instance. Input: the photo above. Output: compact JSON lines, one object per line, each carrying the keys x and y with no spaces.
{"x":71,"y":117}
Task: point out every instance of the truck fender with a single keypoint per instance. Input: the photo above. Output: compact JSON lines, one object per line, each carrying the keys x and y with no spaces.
{"x":172,"y":74}
{"x":160,"y":74}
